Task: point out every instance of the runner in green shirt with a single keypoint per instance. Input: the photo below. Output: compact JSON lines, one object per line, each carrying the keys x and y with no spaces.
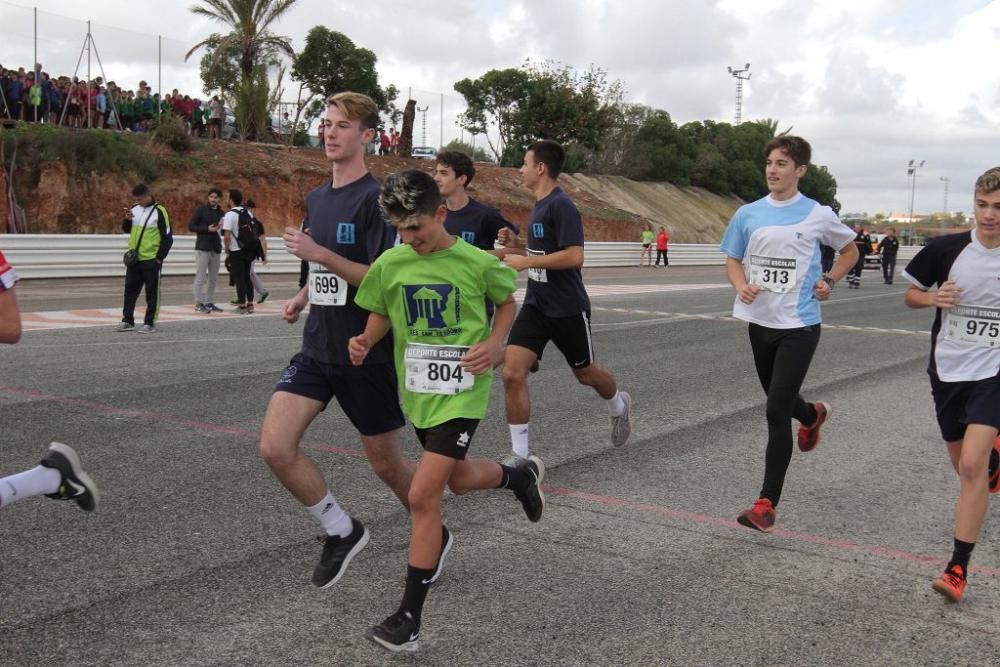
{"x":430,"y":293}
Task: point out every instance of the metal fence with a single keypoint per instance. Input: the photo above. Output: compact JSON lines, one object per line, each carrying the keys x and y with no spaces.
{"x":84,"y":256}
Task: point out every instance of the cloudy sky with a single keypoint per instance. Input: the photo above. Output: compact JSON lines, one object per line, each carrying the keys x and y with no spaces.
{"x":872,"y":84}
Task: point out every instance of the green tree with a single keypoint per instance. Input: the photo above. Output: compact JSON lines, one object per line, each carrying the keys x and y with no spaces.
{"x":478,"y":153}
{"x":496,"y":99}
{"x":819,"y":184}
{"x":253,"y":47}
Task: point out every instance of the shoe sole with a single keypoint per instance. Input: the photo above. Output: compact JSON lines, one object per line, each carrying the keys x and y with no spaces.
{"x":744,"y":521}
{"x":628,"y":409}
{"x":77,"y":467}
{"x":362,"y":543}
{"x":444,"y":553}
{"x":947,"y":591}
{"x":408,"y":647}
{"x":538,"y":484}
{"x":829,"y":413}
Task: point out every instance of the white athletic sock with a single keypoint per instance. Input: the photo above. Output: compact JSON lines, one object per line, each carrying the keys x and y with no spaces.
{"x":35,"y":482}
{"x":330,"y":515}
{"x":519,"y":440}
{"x":616,"y":404}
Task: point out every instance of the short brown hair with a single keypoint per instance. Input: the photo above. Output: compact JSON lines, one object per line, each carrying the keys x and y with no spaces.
{"x":356,"y":106}
{"x":460,"y":163}
{"x":989,"y":181}
{"x":794,"y":147}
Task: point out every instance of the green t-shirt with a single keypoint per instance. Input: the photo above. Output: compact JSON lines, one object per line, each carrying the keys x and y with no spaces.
{"x":647,"y":237}
{"x":435,"y":303}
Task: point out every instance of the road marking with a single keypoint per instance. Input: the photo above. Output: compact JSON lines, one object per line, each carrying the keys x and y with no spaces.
{"x":836,"y":544}
{"x":683,"y":317}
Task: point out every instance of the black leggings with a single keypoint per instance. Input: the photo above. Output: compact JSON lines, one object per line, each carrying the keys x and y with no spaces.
{"x":663,"y":254}
{"x":241,"y":264}
{"x":782,"y":358}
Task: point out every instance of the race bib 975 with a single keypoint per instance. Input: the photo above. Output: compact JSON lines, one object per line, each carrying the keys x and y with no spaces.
{"x":973,"y":325}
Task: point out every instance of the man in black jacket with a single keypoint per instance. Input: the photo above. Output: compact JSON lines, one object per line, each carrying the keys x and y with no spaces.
{"x":206,"y":223}
{"x":887,"y":248}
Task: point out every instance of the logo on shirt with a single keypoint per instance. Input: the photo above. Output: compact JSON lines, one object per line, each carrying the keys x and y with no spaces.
{"x":469,"y":237}
{"x":432,"y":310}
{"x":345,"y":233}
{"x":537,"y":230}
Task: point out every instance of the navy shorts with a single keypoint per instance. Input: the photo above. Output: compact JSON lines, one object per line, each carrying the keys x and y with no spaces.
{"x":451,"y":439}
{"x":533,"y":330}
{"x":959,"y":404}
{"x":368,"y":394}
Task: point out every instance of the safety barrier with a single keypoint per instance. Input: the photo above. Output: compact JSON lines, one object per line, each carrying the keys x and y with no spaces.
{"x":89,"y":255}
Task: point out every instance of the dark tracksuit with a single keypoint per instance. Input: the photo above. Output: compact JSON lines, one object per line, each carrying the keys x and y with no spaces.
{"x":888,"y":248}
{"x":863,"y":243}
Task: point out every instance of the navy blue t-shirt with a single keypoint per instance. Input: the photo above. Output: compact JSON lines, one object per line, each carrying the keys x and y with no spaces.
{"x":348,"y":221}
{"x":555,"y":225}
{"x":477,"y":224}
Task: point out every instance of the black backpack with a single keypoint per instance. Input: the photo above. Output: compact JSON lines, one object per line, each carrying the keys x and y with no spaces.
{"x":246,"y":232}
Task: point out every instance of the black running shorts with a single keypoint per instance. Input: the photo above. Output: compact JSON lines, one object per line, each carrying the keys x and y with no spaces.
{"x":449,"y":439}
{"x":367,"y":394}
{"x":959,"y":404}
{"x":533,"y":330}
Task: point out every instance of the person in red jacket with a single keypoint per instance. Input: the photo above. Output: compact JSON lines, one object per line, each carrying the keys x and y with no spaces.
{"x":662,"y":238}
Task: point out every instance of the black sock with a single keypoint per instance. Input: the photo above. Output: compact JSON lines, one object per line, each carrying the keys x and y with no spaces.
{"x":416,"y":591}
{"x":515,"y":479}
{"x":961,"y":554}
{"x":994,"y":460}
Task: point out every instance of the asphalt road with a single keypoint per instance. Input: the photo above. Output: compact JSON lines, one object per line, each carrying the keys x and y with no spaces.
{"x":198,"y":556}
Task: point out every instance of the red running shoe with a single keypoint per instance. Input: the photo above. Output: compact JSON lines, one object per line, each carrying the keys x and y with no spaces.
{"x":809,"y":435}
{"x":994,"y":469}
{"x":759,"y":517}
{"x":951,"y":583}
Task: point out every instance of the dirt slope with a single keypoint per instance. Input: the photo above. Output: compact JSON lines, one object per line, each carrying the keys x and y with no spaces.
{"x":278,"y":178}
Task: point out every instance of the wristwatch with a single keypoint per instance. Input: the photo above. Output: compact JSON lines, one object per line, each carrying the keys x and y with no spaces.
{"x":828,"y":280}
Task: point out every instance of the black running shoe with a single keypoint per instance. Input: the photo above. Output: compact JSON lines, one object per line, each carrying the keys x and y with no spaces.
{"x":337,"y":555}
{"x":75,"y":484}
{"x":532,"y":499}
{"x":263,"y":297}
{"x":397,"y":633}
{"x":446,"y":541}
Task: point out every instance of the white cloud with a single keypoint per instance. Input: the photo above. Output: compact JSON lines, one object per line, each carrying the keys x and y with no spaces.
{"x":871,"y":83}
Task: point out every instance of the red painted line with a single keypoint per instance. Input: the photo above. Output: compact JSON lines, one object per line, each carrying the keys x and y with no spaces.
{"x":593,"y":498}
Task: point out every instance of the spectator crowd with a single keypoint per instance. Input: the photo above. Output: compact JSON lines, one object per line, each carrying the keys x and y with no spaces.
{"x":33,"y":96}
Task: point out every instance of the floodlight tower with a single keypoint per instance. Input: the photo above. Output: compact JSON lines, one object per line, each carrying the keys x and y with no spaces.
{"x":423,"y":120}
{"x":741,"y":75}
{"x":946,"y":181}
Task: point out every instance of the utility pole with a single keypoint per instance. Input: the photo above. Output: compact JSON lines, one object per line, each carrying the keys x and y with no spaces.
{"x":741,"y":75}
{"x":423,"y":122}
{"x":912,"y":172}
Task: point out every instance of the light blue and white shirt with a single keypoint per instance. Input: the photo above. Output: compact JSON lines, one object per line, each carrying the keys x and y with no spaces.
{"x":778,"y":243}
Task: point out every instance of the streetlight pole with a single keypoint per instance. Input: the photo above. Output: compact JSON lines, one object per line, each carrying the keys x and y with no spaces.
{"x":912,"y":172}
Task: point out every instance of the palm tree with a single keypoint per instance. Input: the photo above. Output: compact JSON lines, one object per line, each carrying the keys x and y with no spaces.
{"x":248,"y":21}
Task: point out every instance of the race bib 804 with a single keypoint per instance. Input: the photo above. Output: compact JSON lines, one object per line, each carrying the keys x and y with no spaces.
{"x":436,"y":369}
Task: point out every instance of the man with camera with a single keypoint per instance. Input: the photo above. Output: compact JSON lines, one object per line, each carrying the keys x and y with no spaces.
{"x":149,"y":241}
{"x":207,"y":224}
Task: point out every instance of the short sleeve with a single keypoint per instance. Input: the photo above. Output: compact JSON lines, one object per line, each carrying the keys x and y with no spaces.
{"x":835,"y":233}
{"x":495,"y":222}
{"x":8,"y":277}
{"x":501,"y":281}
{"x":568,"y":223}
{"x":734,"y":241}
{"x":379,"y":234}
{"x":924,"y":270}
{"x":370,"y":295}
